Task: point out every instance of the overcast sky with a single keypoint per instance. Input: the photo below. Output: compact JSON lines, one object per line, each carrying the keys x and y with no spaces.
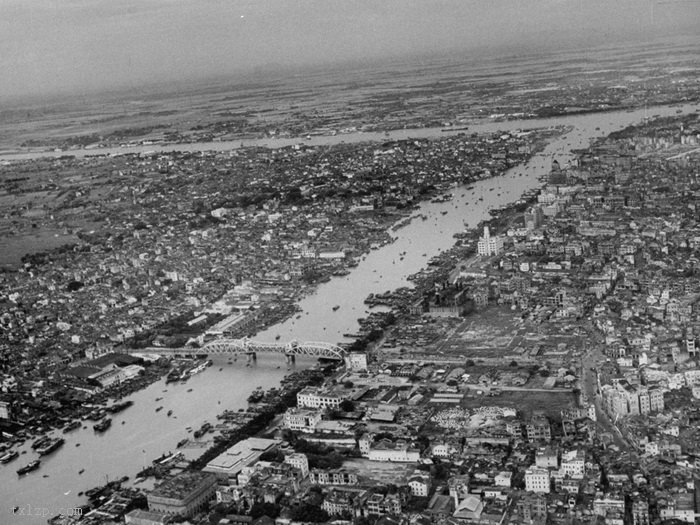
{"x":51,"y":46}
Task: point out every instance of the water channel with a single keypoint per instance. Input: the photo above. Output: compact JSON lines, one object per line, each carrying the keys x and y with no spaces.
{"x":140,"y":434}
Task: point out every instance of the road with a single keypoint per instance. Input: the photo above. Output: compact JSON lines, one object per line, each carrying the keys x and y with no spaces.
{"x":593,"y":357}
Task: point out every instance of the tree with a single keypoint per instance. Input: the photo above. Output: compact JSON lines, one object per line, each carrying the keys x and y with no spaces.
{"x":309,"y":513}
{"x":264,"y":509}
{"x":346,"y":405}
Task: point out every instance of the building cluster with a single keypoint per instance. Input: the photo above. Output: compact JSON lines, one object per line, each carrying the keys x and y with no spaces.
{"x":606,"y":255}
{"x":176,"y":248}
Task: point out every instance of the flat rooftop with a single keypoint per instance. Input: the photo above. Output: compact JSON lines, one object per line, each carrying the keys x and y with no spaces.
{"x":240,"y":455}
{"x":180,"y":486}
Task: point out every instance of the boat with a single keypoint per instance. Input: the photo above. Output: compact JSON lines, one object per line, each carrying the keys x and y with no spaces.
{"x":81,"y":471}
{"x":9,"y":457}
{"x":189,"y":390}
{"x":29,"y":467}
{"x":182,"y":442}
{"x":51,"y":446}
{"x":42,"y":441}
{"x":170,"y":413}
{"x":255,"y":397}
{"x":118,"y":407}
{"x":73,"y":425}
{"x":277,"y":337}
{"x":102,"y":425}
{"x":335,"y":308}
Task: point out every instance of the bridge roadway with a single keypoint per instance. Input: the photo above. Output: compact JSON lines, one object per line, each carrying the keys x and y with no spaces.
{"x":252,"y":348}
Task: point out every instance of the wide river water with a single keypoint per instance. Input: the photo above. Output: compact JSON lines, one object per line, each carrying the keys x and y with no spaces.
{"x":145,"y":434}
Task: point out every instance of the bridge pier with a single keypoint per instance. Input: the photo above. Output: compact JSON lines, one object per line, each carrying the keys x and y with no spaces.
{"x":251,"y":357}
{"x":291,"y":358}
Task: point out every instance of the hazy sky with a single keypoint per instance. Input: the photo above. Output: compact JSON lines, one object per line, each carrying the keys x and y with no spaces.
{"x":49,"y":46}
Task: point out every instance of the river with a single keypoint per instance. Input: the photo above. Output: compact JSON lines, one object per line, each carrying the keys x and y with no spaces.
{"x":145,"y":434}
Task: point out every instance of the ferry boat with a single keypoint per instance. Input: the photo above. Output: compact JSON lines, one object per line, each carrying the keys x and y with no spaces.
{"x":29,"y":467}
{"x":51,"y":446}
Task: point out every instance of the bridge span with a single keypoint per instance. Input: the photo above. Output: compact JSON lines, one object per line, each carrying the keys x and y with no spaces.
{"x":252,"y":348}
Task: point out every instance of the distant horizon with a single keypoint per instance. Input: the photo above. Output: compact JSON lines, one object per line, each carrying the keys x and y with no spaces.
{"x":82,"y":47}
{"x":263,"y":74}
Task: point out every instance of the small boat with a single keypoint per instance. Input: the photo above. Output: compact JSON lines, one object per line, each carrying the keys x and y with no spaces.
{"x":102,"y":425}
{"x":170,"y":413}
{"x":159,"y":409}
{"x":189,"y":390}
{"x":335,"y":308}
{"x":9,"y":457}
{"x":81,"y":471}
{"x":77,"y":444}
{"x":277,"y":337}
{"x":71,"y":426}
{"x":29,"y":467}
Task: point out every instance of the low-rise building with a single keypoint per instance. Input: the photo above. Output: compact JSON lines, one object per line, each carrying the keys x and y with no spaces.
{"x":302,"y":419}
{"x":311,"y":397}
{"x":185,"y":494}
{"x":228,"y":464}
{"x":399,"y":451}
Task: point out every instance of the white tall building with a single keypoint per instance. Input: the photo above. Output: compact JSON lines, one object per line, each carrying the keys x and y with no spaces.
{"x":488,"y":245}
{"x":573,"y":464}
{"x":537,"y":480}
{"x":299,"y":461}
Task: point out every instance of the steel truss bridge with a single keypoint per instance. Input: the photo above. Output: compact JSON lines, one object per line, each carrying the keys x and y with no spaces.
{"x":252,"y":348}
